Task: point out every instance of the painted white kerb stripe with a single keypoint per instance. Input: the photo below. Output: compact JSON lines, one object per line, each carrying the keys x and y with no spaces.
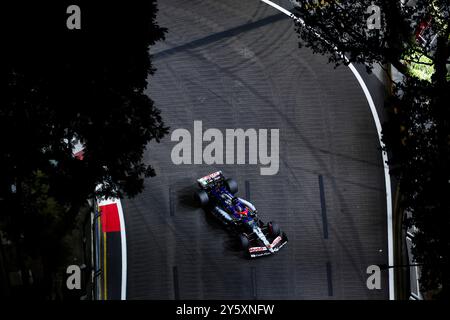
{"x":123,"y":240}
{"x":123,"y":244}
{"x":387,"y":177}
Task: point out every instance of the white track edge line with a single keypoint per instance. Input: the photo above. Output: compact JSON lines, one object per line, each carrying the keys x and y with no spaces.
{"x":387,"y":177}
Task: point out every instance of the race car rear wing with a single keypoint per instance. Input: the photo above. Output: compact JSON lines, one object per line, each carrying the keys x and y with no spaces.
{"x":209,"y":179}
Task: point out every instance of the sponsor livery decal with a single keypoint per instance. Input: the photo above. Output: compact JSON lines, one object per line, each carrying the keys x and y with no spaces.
{"x":275,"y":242}
{"x":257,"y":249}
{"x":260,"y":254}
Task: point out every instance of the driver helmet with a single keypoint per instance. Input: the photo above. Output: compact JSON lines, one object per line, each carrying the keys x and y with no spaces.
{"x":239,"y":207}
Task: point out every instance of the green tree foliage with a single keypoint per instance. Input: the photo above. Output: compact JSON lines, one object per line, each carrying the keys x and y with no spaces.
{"x":83,"y":84}
{"x":417,"y":133}
{"x":60,"y":86}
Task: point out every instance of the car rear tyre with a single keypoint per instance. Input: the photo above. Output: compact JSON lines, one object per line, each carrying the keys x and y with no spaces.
{"x":201,"y":198}
{"x":274,"y":229}
{"x":231,"y":185}
{"x":244,"y":242}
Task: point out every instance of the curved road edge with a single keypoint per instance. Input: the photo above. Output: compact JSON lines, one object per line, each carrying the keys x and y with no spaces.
{"x":384,"y":155}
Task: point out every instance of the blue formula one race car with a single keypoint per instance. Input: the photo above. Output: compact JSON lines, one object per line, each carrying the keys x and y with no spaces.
{"x":217,"y":196}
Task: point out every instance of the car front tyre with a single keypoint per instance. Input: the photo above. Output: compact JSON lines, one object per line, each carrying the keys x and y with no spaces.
{"x":244,"y":242}
{"x":274,"y":229}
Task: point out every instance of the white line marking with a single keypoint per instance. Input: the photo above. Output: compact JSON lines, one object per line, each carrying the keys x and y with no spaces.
{"x":387,"y":180}
{"x":123,"y":240}
{"x":387,"y":177}
{"x":279,"y":8}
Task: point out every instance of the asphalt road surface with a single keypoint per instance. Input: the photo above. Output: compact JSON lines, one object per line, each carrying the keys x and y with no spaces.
{"x":236,"y":64}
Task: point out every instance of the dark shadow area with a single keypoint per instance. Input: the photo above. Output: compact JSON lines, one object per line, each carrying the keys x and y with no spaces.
{"x":64,"y":83}
{"x":220,"y":36}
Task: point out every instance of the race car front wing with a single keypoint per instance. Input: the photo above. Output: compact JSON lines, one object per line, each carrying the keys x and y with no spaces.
{"x":275,"y":246}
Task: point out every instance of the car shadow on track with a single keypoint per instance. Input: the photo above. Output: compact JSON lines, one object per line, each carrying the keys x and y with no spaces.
{"x":186,"y":202}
